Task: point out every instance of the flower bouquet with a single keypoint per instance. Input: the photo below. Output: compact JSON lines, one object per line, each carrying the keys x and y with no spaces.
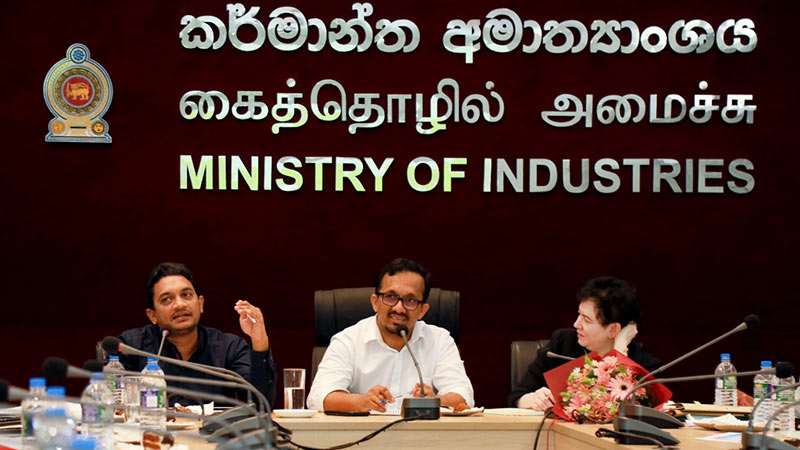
{"x":593,"y":387}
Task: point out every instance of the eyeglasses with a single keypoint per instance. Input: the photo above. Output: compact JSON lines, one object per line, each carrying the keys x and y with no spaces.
{"x":392,"y":299}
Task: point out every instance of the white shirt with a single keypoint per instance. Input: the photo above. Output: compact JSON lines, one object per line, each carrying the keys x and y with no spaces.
{"x":358,"y":359}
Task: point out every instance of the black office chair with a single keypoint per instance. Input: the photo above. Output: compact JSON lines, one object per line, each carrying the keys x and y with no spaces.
{"x":523,"y":353}
{"x":337,"y":309}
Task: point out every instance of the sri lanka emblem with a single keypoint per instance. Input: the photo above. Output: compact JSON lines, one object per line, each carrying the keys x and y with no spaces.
{"x":78,"y":92}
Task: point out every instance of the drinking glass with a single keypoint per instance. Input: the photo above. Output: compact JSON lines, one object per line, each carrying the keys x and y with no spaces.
{"x":294,"y":388}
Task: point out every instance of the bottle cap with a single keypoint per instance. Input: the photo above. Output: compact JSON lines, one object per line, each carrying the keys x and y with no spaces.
{"x":56,"y":412}
{"x":113,"y":357}
{"x":153,"y":367}
{"x":151,"y":360}
{"x":725,"y":356}
{"x":56,"y":391}
{"x":766,"y":363}
{"x":86,"y":443}
{"x":97,"y":376}
{"x":37,"y":383}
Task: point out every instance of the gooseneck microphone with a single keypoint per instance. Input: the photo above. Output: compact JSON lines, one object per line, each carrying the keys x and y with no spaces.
{"x":752,"y":440}
{"x":266,"y":435}
{"x":11,"y":393}
{"x":402,"y":330}
{"x":115,"y":346}
{"x":657,"y":418}
{"x":641,"y":427}
{"x":166,"y":330}
{"x":556,"y":355}
{"x":427,"y":408}
{"x":751,"y":321}
{"x":768,"y":442}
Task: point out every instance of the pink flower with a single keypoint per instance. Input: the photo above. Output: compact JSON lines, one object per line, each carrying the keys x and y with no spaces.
{"x":603,"y":376}
{"x":577,"y":402}
{"x":607,"y":364}
{"x":596,"y":388}
{"x":620,"y":387}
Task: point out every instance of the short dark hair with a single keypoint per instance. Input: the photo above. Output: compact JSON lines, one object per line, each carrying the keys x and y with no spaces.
{"x":405,"y":265}
{"x":162,"y":270}
{"x":615,"y":300}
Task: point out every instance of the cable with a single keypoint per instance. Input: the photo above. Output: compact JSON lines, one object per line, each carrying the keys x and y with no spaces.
{"x":580,"y":417}
{"x":548,"y":431}
{"x":605,"y":432}
{"x":547,"y":412}
{"x":363,"y":439}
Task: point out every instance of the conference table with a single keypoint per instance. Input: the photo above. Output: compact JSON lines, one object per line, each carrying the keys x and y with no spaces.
{"x":482,"y":432}
{"x":470,"y":432}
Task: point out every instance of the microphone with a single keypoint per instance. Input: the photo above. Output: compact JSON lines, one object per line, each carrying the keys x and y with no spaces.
{"x":751,"y":321}
{"x":752,"y":440}
{"x":55,"y":367}
{"x":58,"y":367}
{"x":212,"y":419}
{"x":556,"y":355}
{"x":426,"y":408}
{"x":249,"y":423}
{"x":642,"y":427}
{"x":115,"y":346}
{"x":166,"y":330}
{"x":93,"y":365}
{"x":657,"y":418}
{"x":761,"y":440}
{"x":12,"y":393}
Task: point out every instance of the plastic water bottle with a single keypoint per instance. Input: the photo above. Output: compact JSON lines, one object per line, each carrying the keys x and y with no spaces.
{"x":97,"y":406}
{"x":153,"y":413}
{"x":762,"y":389}
{"x":53,"y":428}
{"x":114,"y":381}
{"x":784,"y":422}
{"x":32,"y":407}
{"x":797,"y":399}
{"x":725,"y":386}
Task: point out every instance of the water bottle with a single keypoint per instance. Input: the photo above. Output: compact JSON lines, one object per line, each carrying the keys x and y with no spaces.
{"x":97,"y":419}
{"x":725,"y":386}
{"x":53,"y":428}
{"x":153,"y":413}
{"x":797,"y":399}
{"x":31,"y":407}
{"x":762,"y":390}
{"x":114,"y":381}
{"x":784,"y":422}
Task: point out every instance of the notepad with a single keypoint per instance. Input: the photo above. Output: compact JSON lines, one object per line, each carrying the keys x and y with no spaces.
{"x":392,"y":409}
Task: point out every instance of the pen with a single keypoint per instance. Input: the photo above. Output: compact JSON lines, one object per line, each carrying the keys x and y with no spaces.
{"x":251,"y":318}
{"x":395,"y":397}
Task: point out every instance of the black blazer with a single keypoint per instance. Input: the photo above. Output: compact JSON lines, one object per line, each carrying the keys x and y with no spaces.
{"x":565,"y":342}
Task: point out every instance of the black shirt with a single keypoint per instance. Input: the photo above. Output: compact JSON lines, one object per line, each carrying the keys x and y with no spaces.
{"x":565,"y":342}
{"x":214,"y":348}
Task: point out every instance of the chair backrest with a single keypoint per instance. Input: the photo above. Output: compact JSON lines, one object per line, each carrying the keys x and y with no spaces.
{"x":337,"y":309}
{"x":523,"y":353}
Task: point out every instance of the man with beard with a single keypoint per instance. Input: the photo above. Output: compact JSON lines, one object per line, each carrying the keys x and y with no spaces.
{"x":172,"y":300}
{"x":367,"y":366}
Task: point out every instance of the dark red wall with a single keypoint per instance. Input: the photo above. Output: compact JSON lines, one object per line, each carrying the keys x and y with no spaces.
{"x":84,"y":224}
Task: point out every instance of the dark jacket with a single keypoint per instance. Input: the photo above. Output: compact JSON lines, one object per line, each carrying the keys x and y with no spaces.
{"x":565,"y":342}
{"x":214,"y":348}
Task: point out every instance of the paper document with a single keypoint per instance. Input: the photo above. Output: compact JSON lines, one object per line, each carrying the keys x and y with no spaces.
{"x":723,"y":437}
{"x":392,"y":409}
